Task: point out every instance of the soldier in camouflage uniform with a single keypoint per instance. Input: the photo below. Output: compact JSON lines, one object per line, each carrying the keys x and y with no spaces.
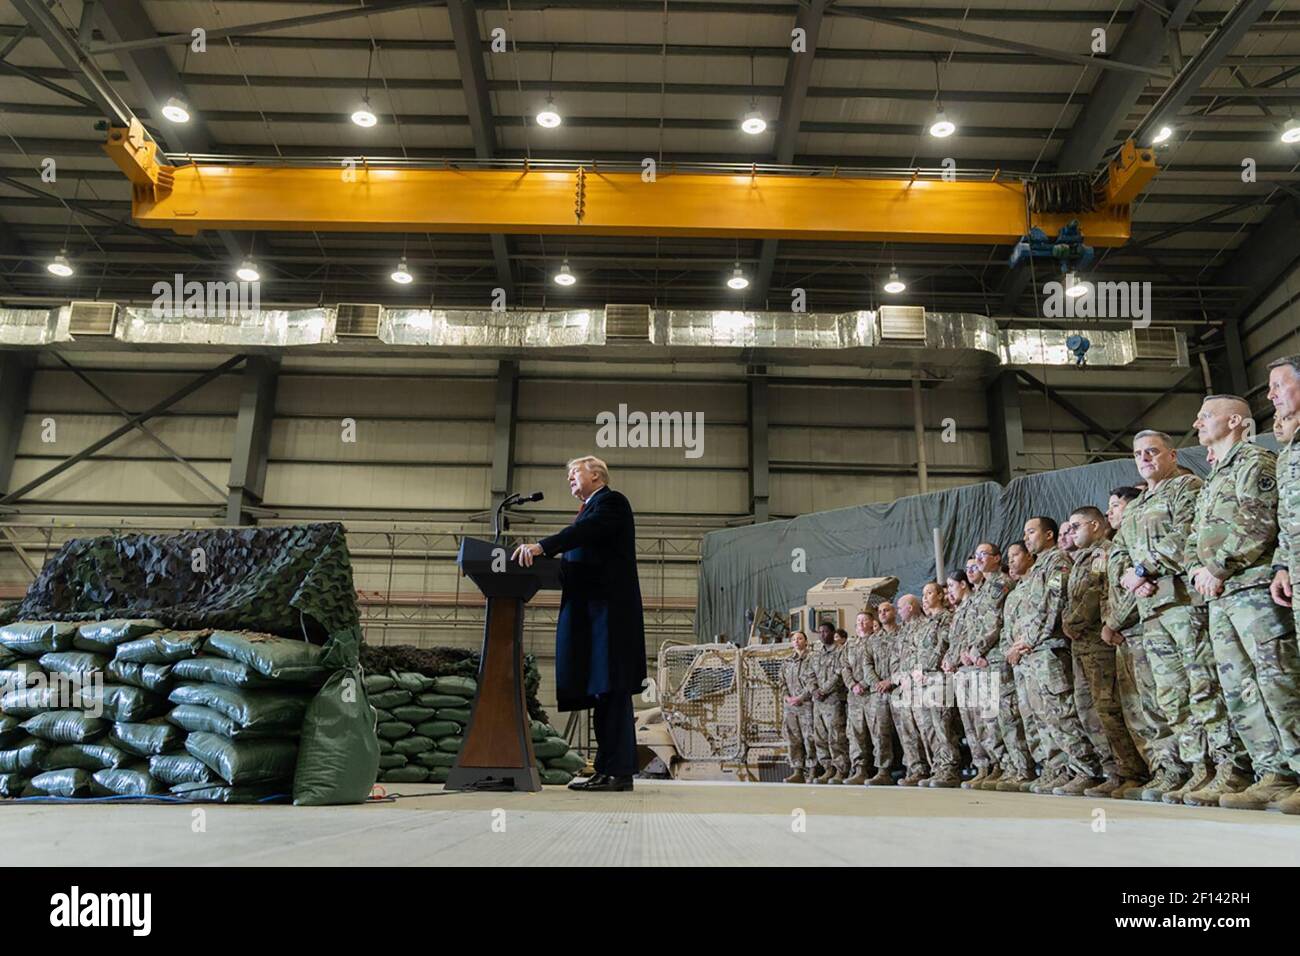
{"x":957,"y":665}
{"x":1122,"y":629}
{"x":936,"y":720}
{"x":1147,"y":561}
{"x":1229,"y":562}
{"x":857,"y":699}
{"x":1284,"y":393}
{"x":874,"y":673}
{"x":1083,"y":702}
{"x":796,"y":693}
{"x":1007,"y":726}
{"x":991,"y":591}
{"x":905,"y":692}
{"x":828,"y":708}
{"x":1094,"y":659}
{"x":1043,"y":649}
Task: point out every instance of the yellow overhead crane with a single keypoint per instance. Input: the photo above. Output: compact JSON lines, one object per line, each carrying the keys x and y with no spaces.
{"x":589,"y":201}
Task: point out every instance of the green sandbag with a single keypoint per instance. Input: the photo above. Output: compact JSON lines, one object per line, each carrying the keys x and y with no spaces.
{"x":64,"y":783}
{"x":155,"y":677}
{"x":393,"y":729}
{"x":377,"y":683}
{"x":128,"y":782}
{"x":413,"y":714}
{"x":383,"y":716}
{"x":218,"y":670}
{"x":251,"y":709}
{"x":147,"y":739}
{"x":173,"y":769}
{"x":78,"y":664}
{"x":90,"y":757}
{"x":339,"y":758}
{"x":540,"y":730}
{"x":30,"y":701}
{"x":571,"y":762}
{"x":66,"y":727}
{"x":385,"y":746}
{"x":451,"y":745}
{"x":164,"y":647}
{"x":555,"y":777}
{"x":388,"y":699}
{"x":406,"y":774}
{"x":18,"y":673}
{"x":10,"y":731}
{"x":6,"y":655}
{"x":32,"y":639}
{"x":28,"y":756}
{"x":279,"y":658}
{"x":126,"y":703}
{"x":439,"y":774}
{"x":391,"y":761}
{"x":241,"y":762}
{"x":103,"y":637}
{"x":459,"y":714}
{"x":196,"y":719}
{"x":437,"y":729}
{"x":12,"y":784}
{"x":413,"y":682}
{"x":217,"y":793}
{"x":435,"y":758}
{"x":460,"y":686}
{"x":550,"y":747}
{"x":441,"y":700}
{"x":410,"y":746}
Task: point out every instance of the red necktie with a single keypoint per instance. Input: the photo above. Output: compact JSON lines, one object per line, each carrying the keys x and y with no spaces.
{"x":581,"y":508}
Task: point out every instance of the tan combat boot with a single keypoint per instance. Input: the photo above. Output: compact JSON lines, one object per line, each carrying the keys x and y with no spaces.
{"x":1050,"y":780}
{"x":1105,"y":788}
{"x":1027,"y":783}
{"x":881,"y":779}
{"x":1202,"y":774}
{"x":836,"y":776}
{"x":858,"y":779}
{"x":1076,"y":786}
{"x":991,"y":781}
{"x":981,"y":773}
{"x":945,"y":781}
{"x":1122,"y":789}
{"x":1271,"y":788}
{"x":912,"y":779}
{"x":1163,"y":782}
{"x":1011,"y":783}
{"x":1289,"y":805}
{"x":796,"y":777}
{"x":1227,"y":779}
{"x":824,"y":776}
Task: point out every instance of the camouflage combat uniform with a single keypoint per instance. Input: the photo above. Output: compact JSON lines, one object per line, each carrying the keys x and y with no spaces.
{"x":855,"y":707}
{"x":1047,"y":664}
{"x":871,"y":728}
{"x":904,"y":699}
{"x":1175,"y":631}
{"x":1095,"y":666}
{"x":1155,"y":742}
{"x":1233,"y":538}
{"x":965,"y":678}
{"x":797,"y":681}
{"x":935,"y":717}
{"x":1006,"y":726}
{"x":1287,"y":553}
{"x":828,"y":714}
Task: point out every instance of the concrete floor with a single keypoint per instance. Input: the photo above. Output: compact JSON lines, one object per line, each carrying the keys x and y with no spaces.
{"x":662,"y":823}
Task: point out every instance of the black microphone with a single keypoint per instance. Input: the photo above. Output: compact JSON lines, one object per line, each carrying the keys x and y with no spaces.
{"x":535,"y":496}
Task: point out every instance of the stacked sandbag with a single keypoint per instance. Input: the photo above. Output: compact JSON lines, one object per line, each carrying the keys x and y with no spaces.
{"x":84,"y":727}
{"x":239,"y":698}
{"x":421,"y":721}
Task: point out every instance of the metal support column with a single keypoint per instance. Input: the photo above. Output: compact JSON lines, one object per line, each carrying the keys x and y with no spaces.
{"x":15,"y":383}
{"x":252,"y":440}
{"x":759,"y":460}
{"x":918,"y":425}
{"x":503,"y":430}
{"x":1006,"y":427}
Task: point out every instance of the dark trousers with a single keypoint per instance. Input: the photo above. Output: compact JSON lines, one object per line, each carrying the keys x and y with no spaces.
{"x":615,"y":735}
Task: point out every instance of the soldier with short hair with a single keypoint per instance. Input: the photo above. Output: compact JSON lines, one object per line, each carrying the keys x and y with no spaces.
{"x":1094,"y":659}
{"x":1042,"y":649}
{"x":828,"y":707}
{"x":855,"y":711}
{"x":1284,"y":393}
{"x":934,"y":719}
{"x":1147,"y":559}
{"x":1013,"y":720}
{"x":961,"y":671}
{"x":1122,"y":629}
{"x":906,"y":691}
{"x":1229,"y":563}
{"x":796,"y":695}
{"x":992,"y":586}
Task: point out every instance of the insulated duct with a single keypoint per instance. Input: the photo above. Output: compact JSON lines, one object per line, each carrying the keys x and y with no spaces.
{"x":258,"y":327}
{"x":485,"y":328}
{"x":33,"y":326}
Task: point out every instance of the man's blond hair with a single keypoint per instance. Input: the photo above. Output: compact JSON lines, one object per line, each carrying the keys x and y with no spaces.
{"x":593,"y":465}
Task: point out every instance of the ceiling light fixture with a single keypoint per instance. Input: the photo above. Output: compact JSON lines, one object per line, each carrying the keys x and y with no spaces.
{"x":401,"y":275}
{"x":1291,"y":131}
{"x":60,"y":265}
{"x":549,"y":116}
{"x":894,"y":285}
{"x":247,"y":271}
{"x":738,"y":279}
{"x":363,"y":116}
{"x":940,"y":126}
{"x":1074,"y":286}
{"x":753,"y":123}
{"x":176,"y":110}
{"x":565,"y":276}
{"x":1162,"y":135}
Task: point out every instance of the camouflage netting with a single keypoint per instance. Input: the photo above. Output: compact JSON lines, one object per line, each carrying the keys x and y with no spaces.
{"x":291,"y":581}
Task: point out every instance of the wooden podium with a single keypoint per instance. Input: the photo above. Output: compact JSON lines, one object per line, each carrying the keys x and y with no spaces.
{"x":498,"y":749}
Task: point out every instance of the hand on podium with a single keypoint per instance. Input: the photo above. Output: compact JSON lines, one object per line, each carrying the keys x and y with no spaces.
{"x":525,"y":553}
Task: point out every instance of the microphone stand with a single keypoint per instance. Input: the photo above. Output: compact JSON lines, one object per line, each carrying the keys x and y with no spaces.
{"x":496,"y":515}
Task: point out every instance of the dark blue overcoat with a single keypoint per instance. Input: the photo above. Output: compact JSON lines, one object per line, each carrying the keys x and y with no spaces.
{"x":600,"y":636}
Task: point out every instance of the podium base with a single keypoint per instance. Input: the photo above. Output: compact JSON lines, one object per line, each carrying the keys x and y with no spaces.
{"x":493,"y":778}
